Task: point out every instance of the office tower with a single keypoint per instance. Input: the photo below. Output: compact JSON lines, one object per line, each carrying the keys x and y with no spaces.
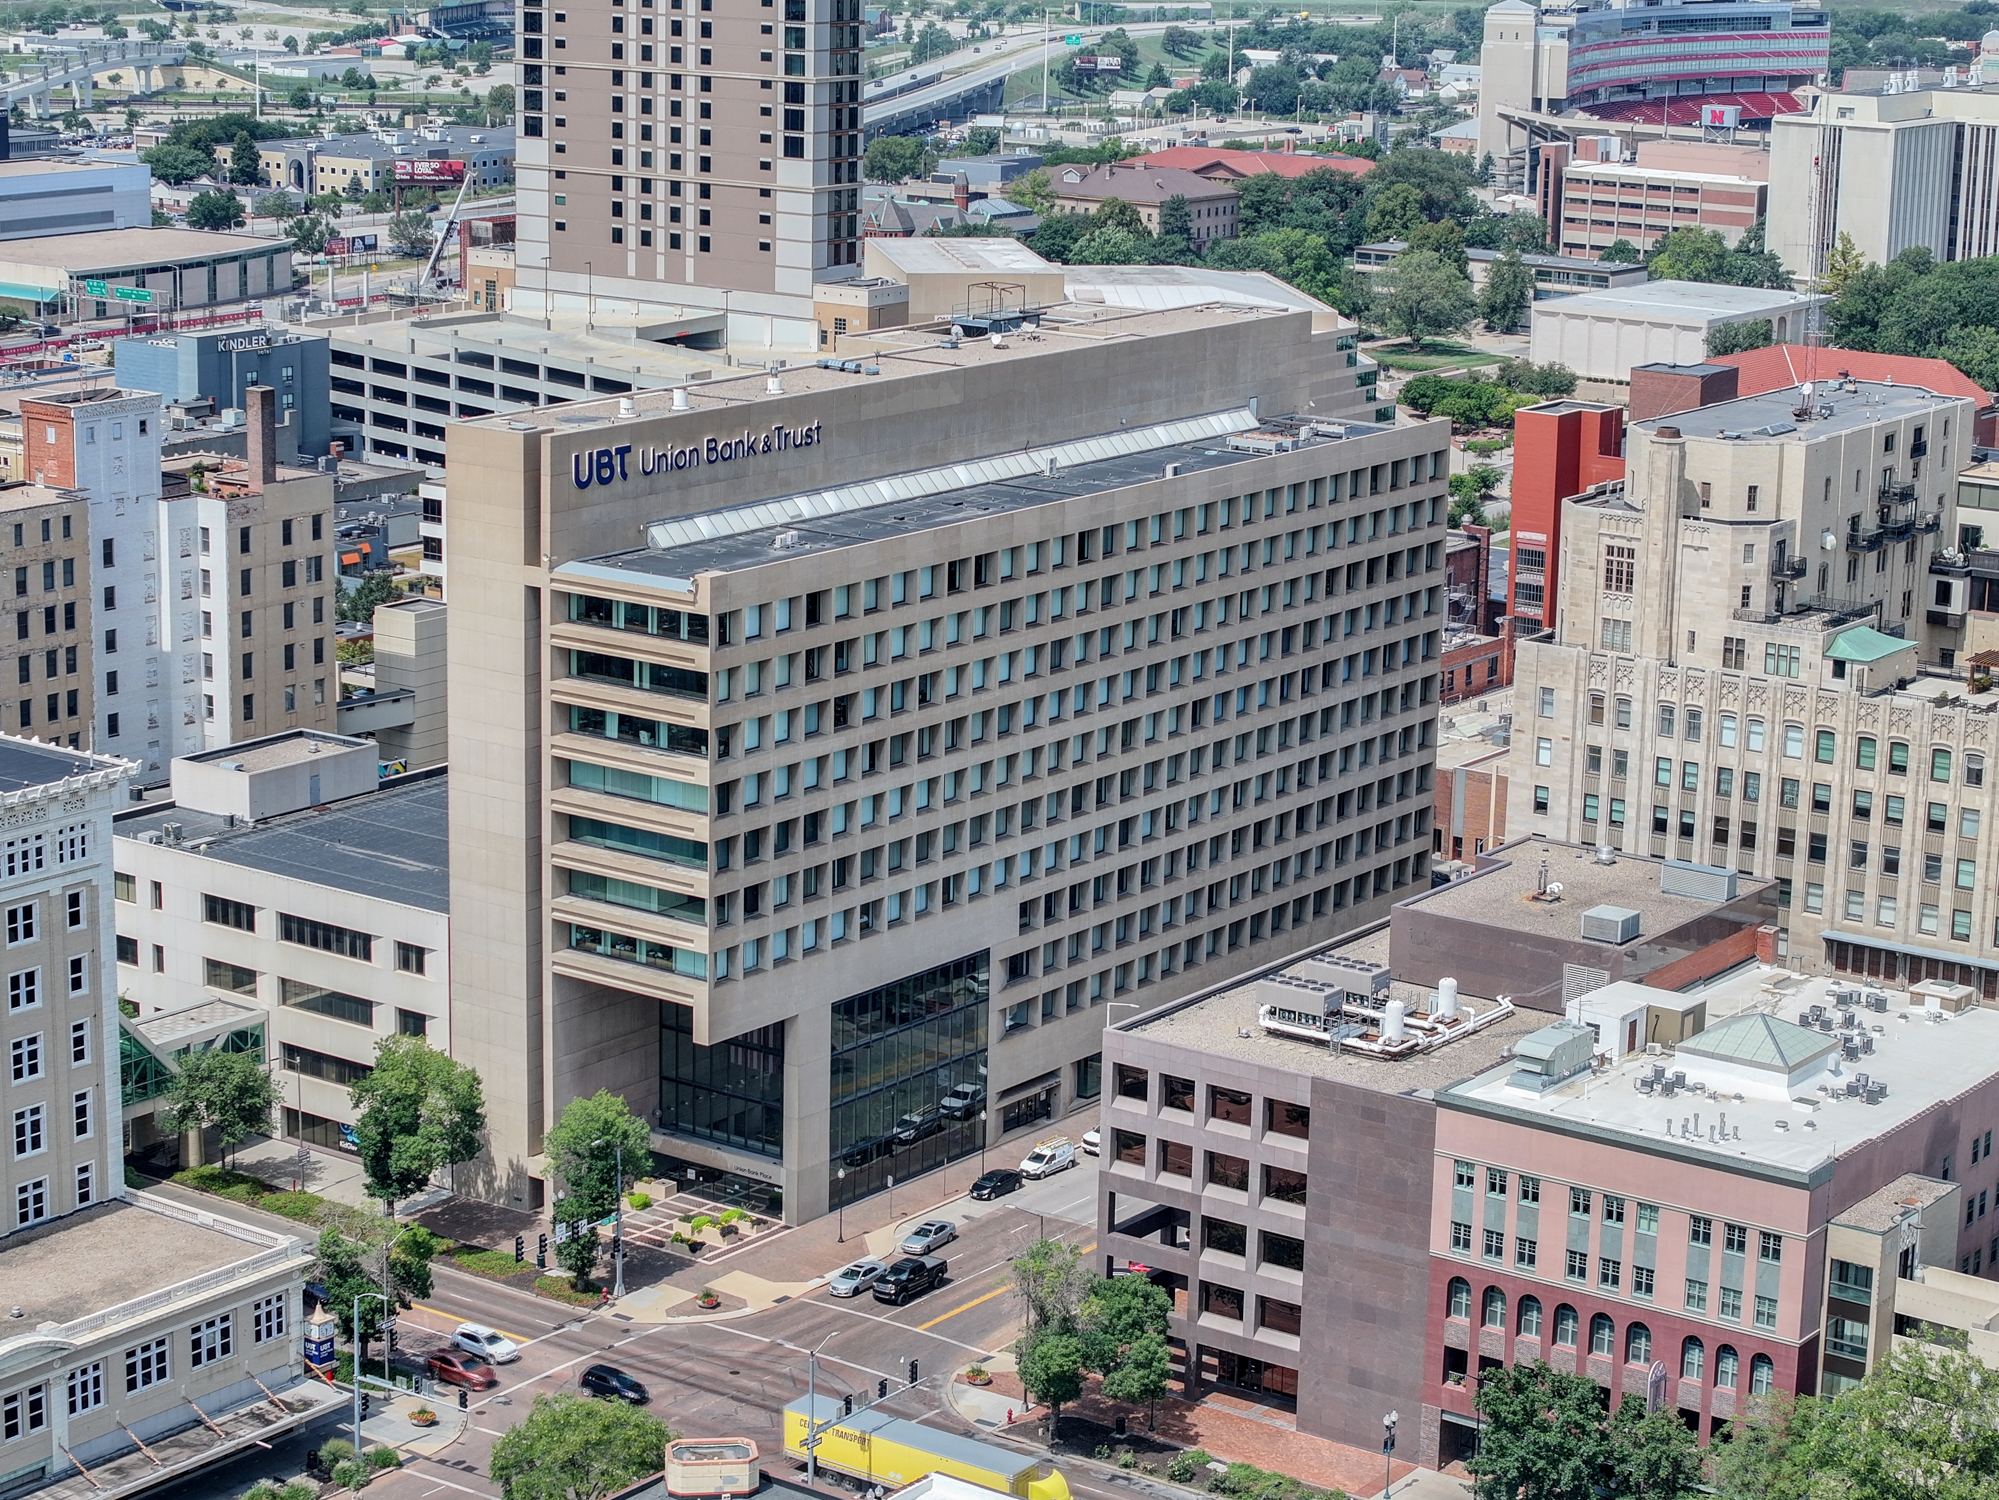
{"x":684,"y":153}
{"x":834,"y":751}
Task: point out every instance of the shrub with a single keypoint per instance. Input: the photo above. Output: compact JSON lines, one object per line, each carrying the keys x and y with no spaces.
{"x":133,"y":1179}
{"x":384,"y":1458}
{"x":640,"y":1200}
{"x":299,"y":1489}
{"x":335,"y":1451}
{"x":699,"y":1223}
{"x":732,"y":1216}
{"x":1182,"y":1467}
{"x":304,"y":1207}
{"x":488,"y":1263}
{"x":1126,"y":1459}
{"x":351,"y":1474}
{"x":263,"y":1489}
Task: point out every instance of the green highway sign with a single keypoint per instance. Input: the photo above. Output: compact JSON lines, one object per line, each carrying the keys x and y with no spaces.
{"x":96,"y":288}
{"x":132,"y":294}
{"x":1072,"y":41}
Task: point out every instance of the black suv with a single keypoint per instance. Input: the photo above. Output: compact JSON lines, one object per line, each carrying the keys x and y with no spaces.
{"x":909,"y":1277}
{"x":613,"y":1384}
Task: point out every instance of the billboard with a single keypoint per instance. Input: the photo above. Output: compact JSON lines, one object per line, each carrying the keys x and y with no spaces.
{"x":1111,"y":64}
{"x":352,"y":244}
{"x":1721,"y":116}
{"x":428,"y":172}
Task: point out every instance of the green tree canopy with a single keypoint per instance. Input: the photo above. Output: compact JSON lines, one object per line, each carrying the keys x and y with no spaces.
{"x":1547,"y":1437}
{"x":228,"y":1091}
{"x":349,"y":1266}
{"x":1419,"y":297}
{"x":245,"y":167}
{"x":897,"y":158}
{"x":358,"y":603}
{"x":309,"y":233}
{"x":572,"y":1448}
{"x":1508,"y":293}
{"x":410,"y":232}
{"x":1620,"y":252}
{"x":1446,"y":240}
{"x":1396,"y":213}
{"x":1051,"y":1371}
{"x":582,"y":1149}
{"x":177,"y":165}
{"x":419,"y":1112}
{"x":218,"y":208}
{"x":1734,"y":338}
{"x":1052,"y":1282}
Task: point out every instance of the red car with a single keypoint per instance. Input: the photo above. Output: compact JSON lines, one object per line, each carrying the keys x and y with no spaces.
{"x":468,"y":1370}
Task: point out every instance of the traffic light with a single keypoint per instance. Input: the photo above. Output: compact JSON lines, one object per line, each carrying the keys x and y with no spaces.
{"x":912,"y":1372}
{"x":881,"y":1389}
{"x":364,"y":1405}
{"x":520,"y":1248}
{"x":541,"y":1254}
{"x":464,"y":1399}
{"x":392,"y":1341}
{"x":847,"y":1404}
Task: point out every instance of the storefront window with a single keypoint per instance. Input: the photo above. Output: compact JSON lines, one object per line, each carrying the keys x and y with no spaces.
{"x":730,"y":1091}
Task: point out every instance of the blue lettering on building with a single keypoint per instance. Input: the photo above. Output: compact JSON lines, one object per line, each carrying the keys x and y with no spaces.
{"x":602,"y":466}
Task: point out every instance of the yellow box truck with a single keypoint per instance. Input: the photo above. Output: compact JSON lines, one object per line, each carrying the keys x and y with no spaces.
{"x":876,"y":1448}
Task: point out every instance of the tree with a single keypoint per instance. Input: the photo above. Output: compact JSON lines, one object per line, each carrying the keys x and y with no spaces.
{"x":1543,"y":1435}
{"x":1689,"y":254}
{"x":218,"y":208}
{"x":358,"y":603}
{"x":1395,"y":213}
{"x":176,"y":165}
{"x":897,"y":158}
{"x":1652,"y":1455}
{"x":1468,"y":492}
{"x":419,"y":1113}
{"x":367,"y":1268}
{"x":272,"y":205}
{"x":578,"y":1249}
{"x":1507,"y":294}
{"x":1843,"y":264}
{"x":1620,"y":252}
{"x":245,"y":167}
{"x":1975,"y":351}
{"x":1176,"y":227}
{"x":1051,"y":1279}
{"x":1485,"y":170}
{"x":1112,"y":246}
{"x":309,"y":233}
{"x":572,"y":1448}
{"x":1446,"y":240}
{"x":410,"y":232}
{"x":1551,"y":379}
{"x":229,"y":1091}
{"x":1051,"y":1371}
{"x":1419,"y":297}
{"x":1734,"y":338}
{"x":1031,"y":190}
{"x":582,"y":1149}
{"x":1142,"y":1374}
{"x":1057,"y":235}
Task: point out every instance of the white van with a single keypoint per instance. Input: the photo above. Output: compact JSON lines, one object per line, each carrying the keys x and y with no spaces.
{"x":1056,"y":1154}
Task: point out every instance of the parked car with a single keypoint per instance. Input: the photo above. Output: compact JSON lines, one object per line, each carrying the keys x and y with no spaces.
{"x":963,"y":1102}
{"x":455,"y":1367}
{"x":996,"y":1184}
{"x":476,"y":1338}
{"x":851,"y":1281}
{"x":932,"y":1234}
{"x":1093,"y":1142}
{"x":613,"y":1384}
{"x":1056,"y":1154}
{"x":910,"y":1277}
{"x":919,"y":1123}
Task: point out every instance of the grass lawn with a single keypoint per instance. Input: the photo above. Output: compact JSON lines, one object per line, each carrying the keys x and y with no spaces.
{"x":1434,"y":356}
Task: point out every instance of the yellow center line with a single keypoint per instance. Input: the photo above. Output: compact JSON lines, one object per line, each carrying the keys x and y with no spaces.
{"x":455,"y":1320}
{"x":968,"y":1306}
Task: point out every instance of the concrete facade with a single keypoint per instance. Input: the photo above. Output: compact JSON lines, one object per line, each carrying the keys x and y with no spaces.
{"x":47,"y":197}
{"x":710,"y":608}
{"x":1602,"y":335}
{"x":220,"y":366}
{"x":1741,"y":673}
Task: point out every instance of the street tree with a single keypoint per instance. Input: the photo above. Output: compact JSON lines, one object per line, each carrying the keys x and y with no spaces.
{"x":309,"y":233}
{"x":1115,"y":1314}
{"x":1418,"y":297}
{"x":1142,"y":1373}
{"x":578,"y":1249}
{"x":1052,"y":1281}
{"x":218,"y":208}
{"x":419,"y":1112}
{"x":1508,"y":293}
{"x":410,"y":232}
{"x":1652,"y":1455}
{"x":245,"y":167}
{"x":572,"y":1448}
{"x":227,"y":1091}
{"x":176,"y":164}
{"x":1051,"y":1372}
{"x":272,"y":205}
{"x":583,"y":1150}
{"x":369,"y":1265}
{"x":1542,"y":1438}
{"x":1620,"y":252}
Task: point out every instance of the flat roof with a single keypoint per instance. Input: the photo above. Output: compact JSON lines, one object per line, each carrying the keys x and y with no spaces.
{"x":390,"y":844}
{"x":1668,"y":297}
{"x":1214,"y":1025}
{"x":118,"y":250}
{"x":287,"y":749}
{"x":931,"y":255}
{"x":1747,"y":416}
{"x":1923,"y":1062}
{"x":869,"y":516}
{"x":615,"y":348}
{"x":100,"y":1257}
{"x":38,"y":167}
{"x":25,"y":496}
{"x":1504,"y":894}
{"x":1639,"y":170}
{"x":169,"y":1027}
{"x":1882,"y":1209}
{"x":25,"y":764}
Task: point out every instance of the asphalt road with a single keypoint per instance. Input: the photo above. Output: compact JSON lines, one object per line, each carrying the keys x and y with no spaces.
{"x":735,"y":1377}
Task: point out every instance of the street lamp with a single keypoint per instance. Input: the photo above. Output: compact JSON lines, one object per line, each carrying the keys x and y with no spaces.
{"x":1388,"y":1452}
{"x":359,"y":1298}
{"x":812,"y":1411}
{"x":618,"y":1229}
{"x":982,"y":1143}
{"x":843,"y":1206}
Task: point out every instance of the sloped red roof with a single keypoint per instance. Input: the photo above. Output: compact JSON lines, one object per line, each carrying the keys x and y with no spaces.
{"x":1209,"y":161}
{"x":1782,"y":365}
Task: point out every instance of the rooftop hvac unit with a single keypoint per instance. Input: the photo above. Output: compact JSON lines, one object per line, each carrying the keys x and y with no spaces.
{"x":1682,"y":877}
{"x":1610,"y":924}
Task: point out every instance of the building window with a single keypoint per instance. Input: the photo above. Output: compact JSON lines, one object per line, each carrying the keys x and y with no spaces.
{"x":238,"y":914}
{"x":210,"y":1340}
{"x":1637,"y":1345}
{"x":1530,"y":1317}
{"x":1460,"y":1298}
{"x":145,"y":1365}
{"x":1602,"y":1335}
{"x":1693,"y":1356}
{"x":1493,"y":1314}
{"x":22,"y":1412}
{"x":410,"y":958}
{"x":325,"y":936}
{"x":86,"y":1388}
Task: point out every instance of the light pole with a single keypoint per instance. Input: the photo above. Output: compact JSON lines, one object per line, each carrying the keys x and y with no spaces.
{"x":618,"y":1221}
{"x":843,"y":1205}
{"x":1388,"y":1452}
{"x":982,"y":1143}
{"x":812,"y":1411}
{"x":359,"y":1298}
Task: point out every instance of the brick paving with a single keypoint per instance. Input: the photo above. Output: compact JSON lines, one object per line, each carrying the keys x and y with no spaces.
{"x":1230,"y":1428}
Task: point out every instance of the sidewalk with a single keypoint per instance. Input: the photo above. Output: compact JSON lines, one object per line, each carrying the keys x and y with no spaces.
{"x":1231,"y":1429}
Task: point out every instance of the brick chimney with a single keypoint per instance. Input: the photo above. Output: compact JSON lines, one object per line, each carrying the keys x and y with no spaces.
{"x":260,"y":408}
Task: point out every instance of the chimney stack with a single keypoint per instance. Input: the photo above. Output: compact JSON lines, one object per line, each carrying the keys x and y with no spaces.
{"x":260,"y":405}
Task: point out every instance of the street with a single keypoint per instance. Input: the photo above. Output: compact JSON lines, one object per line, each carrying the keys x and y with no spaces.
{"x":730,"y":1377}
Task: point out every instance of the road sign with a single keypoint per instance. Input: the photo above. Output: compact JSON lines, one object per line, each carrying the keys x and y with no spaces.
{"x":96,"y":288}
{"x":1072,"y":41}
{"x":131,"y":294}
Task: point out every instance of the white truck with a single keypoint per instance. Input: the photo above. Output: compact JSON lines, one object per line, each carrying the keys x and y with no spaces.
{"x":1056,"y":1154}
